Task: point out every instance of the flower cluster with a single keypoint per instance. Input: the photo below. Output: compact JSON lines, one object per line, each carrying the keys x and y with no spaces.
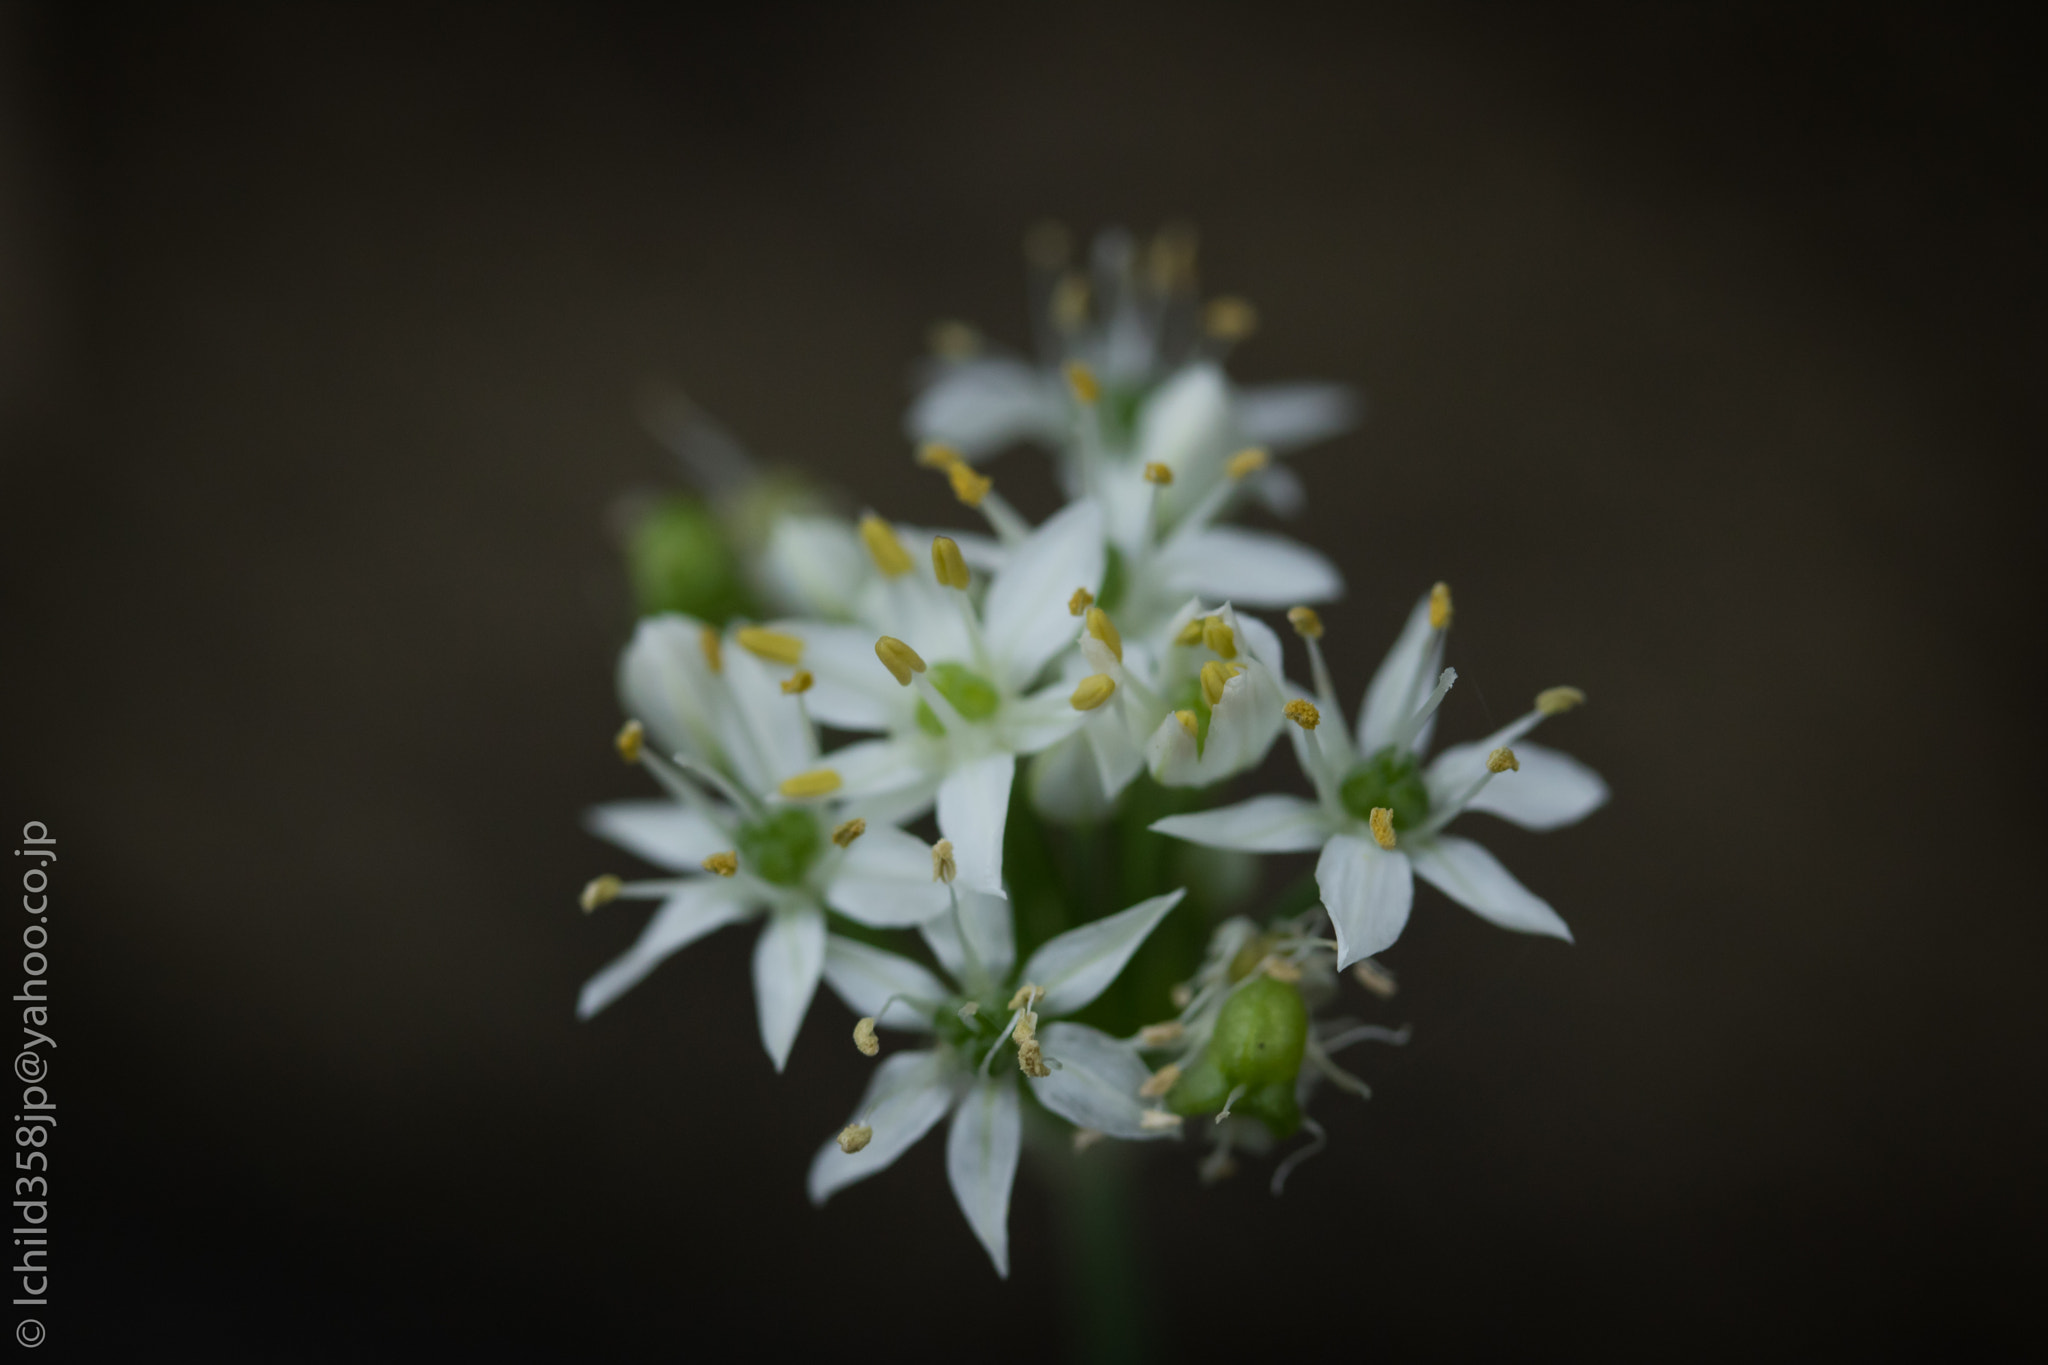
{"x":1033,"y":723}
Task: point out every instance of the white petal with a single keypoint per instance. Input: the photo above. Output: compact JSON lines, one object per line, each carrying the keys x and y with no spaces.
{"x":852,"y":690}
{"x":983,"y":405}
{"x":1288,"y":416}
{"x":1079,"y":965}
{"x":1243,"y":724}
{"x":1186,"y":426}
{"x":896,"y":768}
{"x":1279,"y":490}
{"x":1096,"y":1082}
{"x":1258,"y":638}
{"x":981,"y":1162}
{"x":1041,"y":720}
{"x":1474,"y":878}
{"x":1404,"y":679}
{"x":910,"y":1092}
{"x":812,"y":566}
{"x":1552,"y":789}
{"x":990,"y":949}
{"x":665,"y":833}
{"x":702,"y":905}
{"x":1368,"y":891}
{"x":777,"y":739}
{"x":1026,"y":616}
{"x":1118,"y":757}
{"x":1251,"y":568}
{"x":788,"y":959}
{"x":885,"y":880}
{"x":974,"y":807}
{"x":666,"y":684}
{"x":1264,"y":824}
{"x":866,"y":977}
{"x":1065,"y":784}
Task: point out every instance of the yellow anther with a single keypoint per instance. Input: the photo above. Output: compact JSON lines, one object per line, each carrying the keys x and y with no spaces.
{"x":844,"y":834}
{"x":1031,"y":1059}
{"x":969,"y":1010}
{"x":1161,"y":1035}
{"x":776,"y":646}
{"x":947,"y":565}
{"x":714,"y":649}
{"x":864,"y":1037}
{"x":1375,"y":978}
{"x":1093,"y":690}
{"x":944,"y":867}
{"x":1188,"y":723}
{"x":1104,"y":629}
{"x":1503,"y":761}
{"x":1158,"y":1120}
{"x":969,"y":486}
{"x":1247,"y":462}
{"x":1551,"y":701}
{"x":1440,"y":606}
{"x":1303,"y":713}
{"x":883,"y":547}
{"x":1306,"y":623}
{"x":1190,"y":634}
{"x":1082,"y":381}
{"x":1084,"y":1138}
{"x":1080,"y":601}
{"x":1215,"y":676}
{"x":855,"y":1136}
{"x":806,"y":786}
{"x":1382,"y":823}
{"x":953,"y":340}
{"x":1158,"y":473}
{"x":1026,"y":996}
{"x":937,"y":455}
{"x":798,"y":682}
{"x":1280,"y":969}
{"x":1182,"y":995}
{"x":724,"y":864}
{"x":1070,"y":302}
{"x":1160,"y":1081}
{"x":601,"y":891}
{"x":632,"y":738}
{"x":1229,"y":319}
{"x":1026,"y":1028}
{"x":1217,"y":634}
{"x":900,"y":659}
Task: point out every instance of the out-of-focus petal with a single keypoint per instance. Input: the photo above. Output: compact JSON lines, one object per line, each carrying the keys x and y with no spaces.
{"x":1096,"y":1082}
{"x":1474,"y":878}
{"x":702,"y":905}
{"x":910,"y":1092}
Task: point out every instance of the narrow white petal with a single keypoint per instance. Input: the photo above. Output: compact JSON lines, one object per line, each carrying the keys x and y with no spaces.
{"x":1041,"y":720}
{"x":981,"y":1162}
{"x":865,"y":978}
{"x":1096,"y":1082}
{"x":666,"y":684}
{"x":910,"y":1092}
{"x":788,"y":959}
{"x":1251,"y":568}
{"x":812,"y":566}
{"x":1279,"y":489}
{"x":1288,"y":416}
{"x":1186,"y":426}
{"x":1264,"y":824}
{"x":1368,"y":891}
{"x":1026,"y":616}
{"x":702,"y":905}
{"x":1404,"y":679}
{"x":989,"y":948}
{"x":1079,"y":965}
{"x":1474,"y":878}
{"x":1243,"y":724}
{"x":852,"y":690}
{"x":1065,"y":784}
{"x":980,"y":406}
{"x":1258,"y":638}
{"x":778,"y":741}
{"x":1552,"y":789}
{"x":665,"y":833}
{"x":974,"y":807}
{"x":893,"y":767}
{"x":885,"y":880}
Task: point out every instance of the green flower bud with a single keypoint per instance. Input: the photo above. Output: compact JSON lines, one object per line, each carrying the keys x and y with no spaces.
{"x":680,"y":560}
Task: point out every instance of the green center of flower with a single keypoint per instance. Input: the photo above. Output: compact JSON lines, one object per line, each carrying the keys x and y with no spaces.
{"x":972,"y":695}
{"x":1390,"y":779}
{"x":782,"y":847}
{"x":1190,"y":697}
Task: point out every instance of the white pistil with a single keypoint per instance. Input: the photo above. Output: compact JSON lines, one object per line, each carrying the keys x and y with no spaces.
{"x":1236,"y":1094}
{"x":1407,"y":733}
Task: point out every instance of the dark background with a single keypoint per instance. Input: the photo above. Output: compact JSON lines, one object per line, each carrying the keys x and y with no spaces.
{"x":1702,"y":354}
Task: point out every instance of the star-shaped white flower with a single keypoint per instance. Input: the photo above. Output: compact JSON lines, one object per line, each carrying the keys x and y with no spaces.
{"x":1379,"y":814}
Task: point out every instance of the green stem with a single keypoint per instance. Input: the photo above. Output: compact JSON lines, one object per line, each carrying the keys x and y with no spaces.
{"x":1107,"y":1302}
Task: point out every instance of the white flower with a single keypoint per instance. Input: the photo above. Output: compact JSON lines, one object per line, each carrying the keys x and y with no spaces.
{"x":1379,"y":815}
{"x":987,"y":1040}
{"x":755,"y":825}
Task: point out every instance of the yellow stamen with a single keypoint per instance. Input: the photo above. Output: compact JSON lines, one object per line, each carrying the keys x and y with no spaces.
{"x":1280,"y":969}
{"x":937,"y":455}
{"x":1171,"y":260}
{"x":631,"y":739}
{"x":1031,"y":1059}
{"x":601,"y":891}
{"x":1303,"y":713}
{"x":798,"y":682}
{"x":1216,"y":634}
{"x":1082,"y":381}
{"x":1382,"y":823}
{"x":1190,"y":634}
{"x":713,"y":647}
{"x":1046,"y":244}
{"x":1215,"y":676}
{"x":855,"y":1136}
{"x":1093,"y":690}
{"x":1503,"y":761}
{"x":1084,"y":1138}
{"x":1157,"y":1120}
{"x":1247,"y":462}
{"x":1160,"y":1081}
{"x":1070,"y":302}
{"x":947,"y":565}
{"x":1551,"y":701}
{"x":1182,"y":995}
{"x":969,"y":486}
{"x":1104,"y":629}
{"x":1026,"y":996}
{"x":1189,"y":723}
{"x":1229,"y":319}
{"x":775,"y":646}
{"x":1375,"y":978}
{"x":1440,"y":606}
{"x":724,"y":864}
{"x":900,"y":659}
{"x":944,"y":867}
{"x":1026,"y":1029}
{"x":1306,"y":623}
{"x":864,"y":1037}
{"x":953,"y":340}
{"x":1080,"y":601}
{"x":1158,"y":473}
{"x":804,"y":786}
{"x":844,"y":834}
{"x":883,"y":547}
{"x":1160,"y":1035}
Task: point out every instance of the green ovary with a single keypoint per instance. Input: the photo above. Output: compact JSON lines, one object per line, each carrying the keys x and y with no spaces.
{"x":972,"y":695}
{"x":780,"y":848}
{"x":1391,"y":780}
{"x":1258,"y":1043}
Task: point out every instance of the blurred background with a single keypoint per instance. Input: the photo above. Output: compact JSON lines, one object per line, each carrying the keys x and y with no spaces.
{"x":1701,"y":348}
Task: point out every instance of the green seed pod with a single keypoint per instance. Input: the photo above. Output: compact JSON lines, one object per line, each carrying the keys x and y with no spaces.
{"x":1259,"y":1038}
